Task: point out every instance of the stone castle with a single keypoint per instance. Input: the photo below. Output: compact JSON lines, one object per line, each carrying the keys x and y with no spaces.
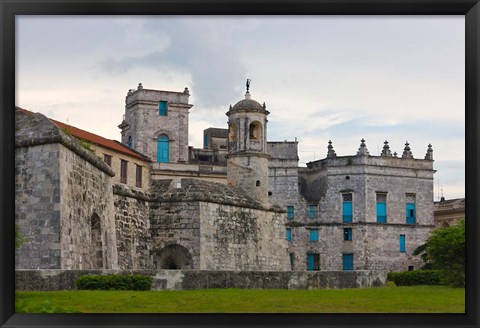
{"x":240,"y":203}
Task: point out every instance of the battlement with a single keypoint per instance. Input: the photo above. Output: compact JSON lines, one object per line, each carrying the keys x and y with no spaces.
{"x":153,"y":97}
{"x":386,"y":158}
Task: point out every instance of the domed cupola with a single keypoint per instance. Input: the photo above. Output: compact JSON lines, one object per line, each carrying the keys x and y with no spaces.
{"x":247,"y":124}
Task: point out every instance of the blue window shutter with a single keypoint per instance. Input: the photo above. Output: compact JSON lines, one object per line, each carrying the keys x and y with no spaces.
{"x":205,"y":141}
{"x":347,"y":262}
{"x":290,"y":212}
{"x":402,"y":243}
{"x":347,"y":212}
{"x":129,"y":142}
{"x":291,"y":261}
{"x":313,"y":235}
{"x":288,"y":234}
{"x":163,"y":108}
{"x":312,"y":211}
{"x":410,"y":213}
{"x":311,"y":262}
{"x":381,"y":212}
{"x":163,"y":149}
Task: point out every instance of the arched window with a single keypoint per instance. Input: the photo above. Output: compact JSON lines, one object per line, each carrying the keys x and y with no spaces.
{"x":163,"y":149}
{"x":255,"y":130}
{"x":232,"y":132}
{"x":129,"y":142}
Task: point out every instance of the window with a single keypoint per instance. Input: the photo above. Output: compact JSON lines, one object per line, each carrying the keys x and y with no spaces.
{"x":291,"y":261}
{"x":410,"y":268}
{"x":288,"y":234}
{"x":347,"y":234}
{"x":381,"y":208}
{"x":402,"y":243}
{"x":347,"y":213}
{"x":312,"y":211}
{"x":313,"y":234}
{"x":107,"y":159}
{"x":163,"y":108}
{"x":129,"y":142}
{"x":138,"y":182}
{"x":254,"y":130}
{"x":347,"y":262}
{"x":290,"y":212}
{"x":410,"y":209}
{"x":313,"y":262}
{"x":205,"y":141}
{"x":163,"y":149}
{"x":123,"y":171}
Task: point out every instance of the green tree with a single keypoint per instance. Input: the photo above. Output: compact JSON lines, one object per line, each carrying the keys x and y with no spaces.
{"x":445,"y":250}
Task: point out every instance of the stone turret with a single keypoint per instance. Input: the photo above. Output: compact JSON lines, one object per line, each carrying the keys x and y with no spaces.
{"x":331,"y":153}
{"x":247,"y":159}
{"x":429,"y":155}
{"x":406,"y":151}
{"x":363,"y":151}
{"x":386,"y":150}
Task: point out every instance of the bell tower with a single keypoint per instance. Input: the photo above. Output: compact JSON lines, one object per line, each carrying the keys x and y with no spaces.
{"x":247,"y":159}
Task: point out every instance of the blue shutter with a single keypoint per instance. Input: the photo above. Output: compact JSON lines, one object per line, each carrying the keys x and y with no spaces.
{"x":410,"y":215}
{"x":311,"y":262}
{"x":205,"y":141}
{"x":291,"y":261}
{"x":347,"y":212}
{"x":290,"y":212}
{"x":313,"y":235}
{"x":312,"y":211}
{"x":129,"y":142}
{"x":162,"y":106}
{"x":381,"y":212}
{"x":288,"y":234}
{"x":163,"y":149}
{"x":402,"y":243}
{"x":347,"y":262}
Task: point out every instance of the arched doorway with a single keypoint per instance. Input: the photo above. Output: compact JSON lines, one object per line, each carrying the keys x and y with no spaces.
{"x":174,"y":257}
{"x":163,"y":149}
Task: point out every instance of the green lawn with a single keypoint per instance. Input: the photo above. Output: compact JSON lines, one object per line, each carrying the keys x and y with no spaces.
{"x":417,"y":299}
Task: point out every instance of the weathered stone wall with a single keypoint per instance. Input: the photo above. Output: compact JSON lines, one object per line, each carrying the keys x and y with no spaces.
{"x":132,"y":225}
{"x":175,"y":225}
{"x":234,"y":238}
{"x":144,"y":123}
{"x":37,"y":206}
{"x":250,"y":173}
{"x":374,"y":247}
{"x":86,"y":199}
{"x":201,"y":279}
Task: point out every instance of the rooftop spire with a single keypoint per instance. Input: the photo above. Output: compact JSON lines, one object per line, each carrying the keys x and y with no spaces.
{"x":386,"y":150}
{"x":429,"y":154}
{"x":406,"y":151}
{"x":363,"y":151}
{"x":248,"y":84}
{"x":331,"y":153}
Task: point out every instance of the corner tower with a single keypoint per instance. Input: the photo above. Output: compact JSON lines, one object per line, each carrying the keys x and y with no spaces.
{"x":156,"y":124}
{"x":247,"y":159}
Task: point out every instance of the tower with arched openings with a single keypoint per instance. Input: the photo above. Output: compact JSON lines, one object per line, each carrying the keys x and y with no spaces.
{"x":247,"y":160}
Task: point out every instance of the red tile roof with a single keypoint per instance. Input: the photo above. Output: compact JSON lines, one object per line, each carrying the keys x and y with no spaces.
{"x":96,"y":139}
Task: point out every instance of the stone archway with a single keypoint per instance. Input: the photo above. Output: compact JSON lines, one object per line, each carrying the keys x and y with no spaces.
{"x":174,"y":257}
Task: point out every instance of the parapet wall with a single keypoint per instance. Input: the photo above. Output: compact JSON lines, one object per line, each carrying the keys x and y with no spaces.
{"x":202,"y":279}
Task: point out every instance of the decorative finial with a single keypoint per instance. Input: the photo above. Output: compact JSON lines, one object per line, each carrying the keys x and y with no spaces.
{"x":331,"y":153}
{"x":406,"y":151}
{"x":140,"y":86}
{"x":248,"y":84}
{"x":264,"y":107}
{"x":429,"y":154}
{"x":363,"y":151}
{"x":186,"y":91}
{"x":230,"y":107}
{"x":395,"y":154}
{"x":386,"y":150}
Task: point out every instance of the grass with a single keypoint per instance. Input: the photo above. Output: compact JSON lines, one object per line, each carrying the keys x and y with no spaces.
{"x":416,"y":299}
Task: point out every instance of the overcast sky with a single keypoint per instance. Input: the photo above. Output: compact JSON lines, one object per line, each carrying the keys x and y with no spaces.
{"x":339,"y":78}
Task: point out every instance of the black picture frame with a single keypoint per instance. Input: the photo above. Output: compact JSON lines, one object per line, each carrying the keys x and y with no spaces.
{"x":10,"y":8}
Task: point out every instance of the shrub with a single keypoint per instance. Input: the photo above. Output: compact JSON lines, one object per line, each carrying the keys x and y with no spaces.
{"x":114,"y":282}
{"x":416,"y":277}
{"x":44,"y":307}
